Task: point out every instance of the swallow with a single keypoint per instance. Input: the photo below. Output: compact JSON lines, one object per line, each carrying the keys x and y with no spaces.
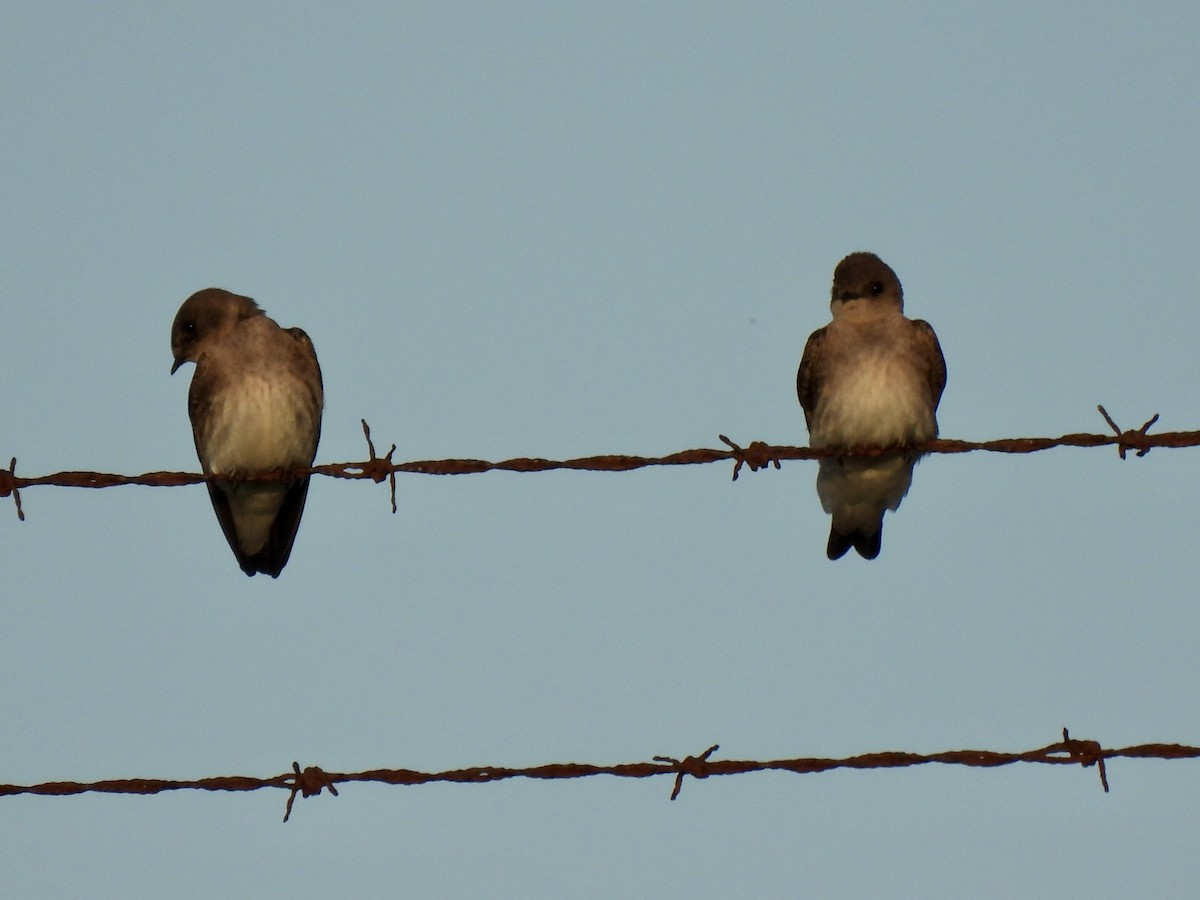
{"x":255,"y":406}
{"x":871,"y":378}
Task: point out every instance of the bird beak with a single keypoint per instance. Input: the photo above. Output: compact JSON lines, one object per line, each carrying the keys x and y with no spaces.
{"x":179,"y":361}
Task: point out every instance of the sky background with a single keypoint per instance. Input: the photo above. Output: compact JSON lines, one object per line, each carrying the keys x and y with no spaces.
{"x":553,"y":229}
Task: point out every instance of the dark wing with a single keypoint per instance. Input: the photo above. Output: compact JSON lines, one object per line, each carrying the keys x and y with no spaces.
{"x":274,"y":556}
{"x":200,"y":396}
{"x":931,"y":350}
{"x":309,"y":371}
{"x":220,"y":505}
{"x":807,"y":388}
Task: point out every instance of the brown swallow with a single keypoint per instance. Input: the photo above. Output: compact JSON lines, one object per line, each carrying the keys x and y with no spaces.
{"x":871,"y":378}
{"x":255,"y":403}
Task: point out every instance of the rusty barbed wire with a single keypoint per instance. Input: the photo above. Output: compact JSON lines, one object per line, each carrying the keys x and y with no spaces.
{"x":757,"y":455}
{"x":312,"y":780}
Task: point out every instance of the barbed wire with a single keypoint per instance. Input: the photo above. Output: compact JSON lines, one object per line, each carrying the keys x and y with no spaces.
{"x":757,"y":455}
{"x":311,"y":780}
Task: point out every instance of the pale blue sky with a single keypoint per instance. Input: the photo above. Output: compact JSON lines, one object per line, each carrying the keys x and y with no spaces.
{"x":556,"y":230}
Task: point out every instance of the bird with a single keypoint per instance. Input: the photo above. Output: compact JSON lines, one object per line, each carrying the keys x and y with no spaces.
{"x":871,"y":378}
{"x":255,"y":405}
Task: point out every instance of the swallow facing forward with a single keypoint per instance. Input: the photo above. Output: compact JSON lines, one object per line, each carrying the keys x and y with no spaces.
{"x":871,"y":378}
{"x":255,"y":404}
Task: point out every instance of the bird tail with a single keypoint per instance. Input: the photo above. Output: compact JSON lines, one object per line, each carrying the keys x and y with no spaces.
{"x":867,"y":545}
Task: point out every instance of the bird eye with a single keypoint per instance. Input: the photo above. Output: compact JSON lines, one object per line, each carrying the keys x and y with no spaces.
{"x":189,"y":327}
{"x":876,"y":288}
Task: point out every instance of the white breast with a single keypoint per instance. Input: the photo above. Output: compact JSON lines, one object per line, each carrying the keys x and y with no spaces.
{"x":875,"y":398}
{"x":264,"y":424}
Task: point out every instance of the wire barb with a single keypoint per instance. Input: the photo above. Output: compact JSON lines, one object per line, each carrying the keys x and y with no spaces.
{"x":696,"y":766}
{"x":8,"y":485}
{"x":1086,"y":753}
{"x":1130,"y":440}
{"x":308,"y":783}
{"x":377,"y":468}
{"x":757,"y":456}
